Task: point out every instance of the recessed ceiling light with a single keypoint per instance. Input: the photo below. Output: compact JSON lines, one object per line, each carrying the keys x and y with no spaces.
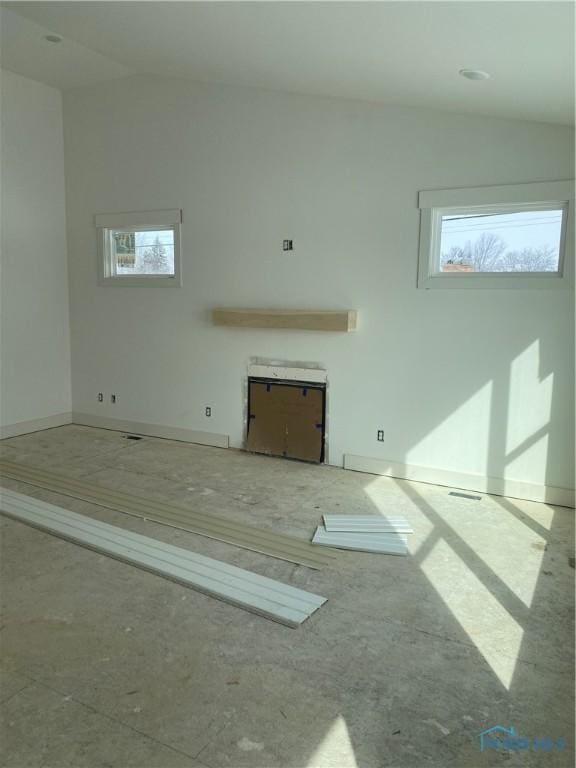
{"x":474,"y":74}
{"x":53,"y":38}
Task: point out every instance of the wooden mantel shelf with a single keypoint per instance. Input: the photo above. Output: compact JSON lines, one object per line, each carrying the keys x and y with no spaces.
{"x":296,"y":319}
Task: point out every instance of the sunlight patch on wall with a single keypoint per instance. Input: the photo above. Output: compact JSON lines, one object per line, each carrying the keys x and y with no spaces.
{"x":459,"y":441}
{"x":529,"y":399}
{"x":336,"y":748}
{"x":487,"y":623}
{"x":532,"y":461}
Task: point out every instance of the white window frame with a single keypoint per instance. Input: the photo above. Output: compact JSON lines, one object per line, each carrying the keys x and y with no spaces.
{"x":137,"y":221}
{"x":434,"y":204}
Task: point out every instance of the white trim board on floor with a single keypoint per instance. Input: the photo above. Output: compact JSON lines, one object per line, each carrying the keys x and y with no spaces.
{"x":258,"y":594}
{"x":35,"y":425}
{"x":366,"y":524}
{"x":238,"y":534}
{"x":498,"y":486}
{"x":381,"y":543}
{"x":182,"y":434}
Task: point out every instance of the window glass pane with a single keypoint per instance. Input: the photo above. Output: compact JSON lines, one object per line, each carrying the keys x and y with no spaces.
{"x":144,"y":252}
{"x":521,"y":241}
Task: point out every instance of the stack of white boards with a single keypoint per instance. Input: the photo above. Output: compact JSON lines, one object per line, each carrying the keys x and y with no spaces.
{"x":365,"y":533}
{"x":258,"y":594}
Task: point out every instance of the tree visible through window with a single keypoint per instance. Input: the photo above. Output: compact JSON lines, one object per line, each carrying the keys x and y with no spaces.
{"x":139,"y":248}
{"x":145,"y":252}
{"x":521,"y":241}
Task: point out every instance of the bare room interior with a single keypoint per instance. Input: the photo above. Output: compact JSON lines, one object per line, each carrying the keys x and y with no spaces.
{"x":287,"y":384}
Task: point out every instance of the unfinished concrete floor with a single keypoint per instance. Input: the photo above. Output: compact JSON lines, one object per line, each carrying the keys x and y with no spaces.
{"x":408,"y":661}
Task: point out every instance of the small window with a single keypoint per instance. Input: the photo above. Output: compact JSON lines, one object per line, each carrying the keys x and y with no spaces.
{"x":139,"y":248}
{"x":496,"y":237}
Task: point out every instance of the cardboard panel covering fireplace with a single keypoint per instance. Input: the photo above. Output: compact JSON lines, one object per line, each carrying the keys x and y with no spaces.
{"x":286,"y":418}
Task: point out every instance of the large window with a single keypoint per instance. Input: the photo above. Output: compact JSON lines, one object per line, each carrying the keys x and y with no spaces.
{"x":496,"y":237}
{"x":141,"y":248}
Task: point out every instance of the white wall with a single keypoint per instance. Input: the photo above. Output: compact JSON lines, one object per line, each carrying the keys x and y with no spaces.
{"x":471,"y":381}
{"x":35,"y":340}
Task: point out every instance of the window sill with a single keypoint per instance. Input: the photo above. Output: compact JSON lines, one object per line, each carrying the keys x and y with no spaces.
{"x":498,"y":281}
{"x":143,"y":281}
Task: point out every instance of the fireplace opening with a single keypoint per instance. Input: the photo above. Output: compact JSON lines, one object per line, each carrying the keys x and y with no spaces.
{"x":286,"y":418}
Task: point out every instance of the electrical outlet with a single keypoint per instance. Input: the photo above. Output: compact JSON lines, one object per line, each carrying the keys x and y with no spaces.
{"x":287,"y":245}
{"x":113,"y":398}
{"x":208,"y":411}
{"x":100,"y":397}
{"x":380,"y":437}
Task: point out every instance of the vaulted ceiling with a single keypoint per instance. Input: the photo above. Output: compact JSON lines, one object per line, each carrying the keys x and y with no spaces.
{"x":406,"y":53}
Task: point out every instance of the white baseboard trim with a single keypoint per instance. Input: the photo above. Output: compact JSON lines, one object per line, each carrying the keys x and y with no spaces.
{"x":35,"y":425}
{"x":499,"y":486}
{"x":152,"y":430}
